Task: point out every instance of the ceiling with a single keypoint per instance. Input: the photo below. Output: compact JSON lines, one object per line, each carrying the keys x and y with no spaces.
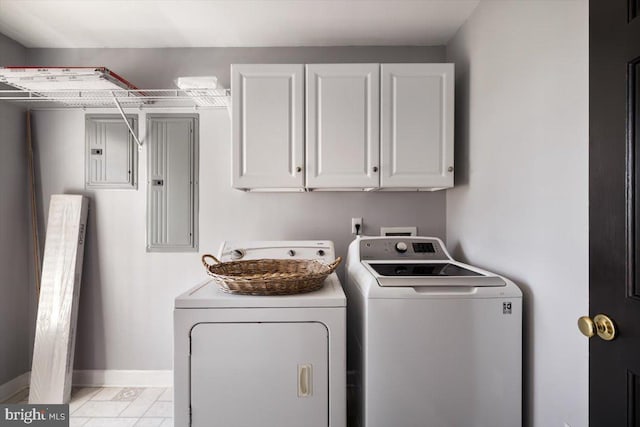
{"x":221,"y":23}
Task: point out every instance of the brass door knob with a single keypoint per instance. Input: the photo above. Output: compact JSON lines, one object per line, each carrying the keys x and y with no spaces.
{"x":601,"y":325}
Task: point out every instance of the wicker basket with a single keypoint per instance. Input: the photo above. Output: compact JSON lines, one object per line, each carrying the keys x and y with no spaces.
{"x":269,"y":276}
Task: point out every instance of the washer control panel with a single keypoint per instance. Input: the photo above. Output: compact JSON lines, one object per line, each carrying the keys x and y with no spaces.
{"x":397,"y":248}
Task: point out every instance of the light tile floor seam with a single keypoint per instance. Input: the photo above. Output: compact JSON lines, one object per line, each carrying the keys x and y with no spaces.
{"x":107,"y":393}
{"x":97,"y":408}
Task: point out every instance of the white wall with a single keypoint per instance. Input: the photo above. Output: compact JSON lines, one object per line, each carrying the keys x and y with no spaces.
{"x":125,"y":318}
{"x":16,"y":283}
{"x":521,"y":197}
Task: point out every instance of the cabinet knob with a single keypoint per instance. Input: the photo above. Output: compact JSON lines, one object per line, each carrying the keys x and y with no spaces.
{"x":298,"y":169}
{"x":450,"y":169}
{"x":375,"y":169}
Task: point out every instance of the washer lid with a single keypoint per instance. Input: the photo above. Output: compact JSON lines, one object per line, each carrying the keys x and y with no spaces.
{"x":442,"y":274}
{"x":209,"y":295}
{"x":439,"y":269}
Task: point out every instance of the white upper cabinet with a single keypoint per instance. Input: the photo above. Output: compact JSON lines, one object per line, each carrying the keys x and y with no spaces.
{"x":342,"y":126}
{"x":416,"y":128}
{"x":268,"y":126}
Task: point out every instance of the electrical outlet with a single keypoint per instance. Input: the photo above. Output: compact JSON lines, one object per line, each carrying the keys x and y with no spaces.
{"x":356,"y":222}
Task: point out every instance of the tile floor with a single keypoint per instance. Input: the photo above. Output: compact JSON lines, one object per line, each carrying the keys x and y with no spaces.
{"x":117,"y":406}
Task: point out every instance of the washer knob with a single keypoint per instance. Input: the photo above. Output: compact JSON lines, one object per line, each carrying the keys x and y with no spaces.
{"x":237,"y":253}
{"x":321,"y":252}
{"x":401,"y":247}
{"x":291,"y":252}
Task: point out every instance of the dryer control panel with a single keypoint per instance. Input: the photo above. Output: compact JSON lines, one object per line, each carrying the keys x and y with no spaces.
{"x":321,"y":250}
{"x":402,"y":248}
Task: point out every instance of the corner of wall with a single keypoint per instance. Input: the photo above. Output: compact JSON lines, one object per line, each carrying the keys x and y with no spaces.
{"x":15,"y":257}
{"x":522,"y":108}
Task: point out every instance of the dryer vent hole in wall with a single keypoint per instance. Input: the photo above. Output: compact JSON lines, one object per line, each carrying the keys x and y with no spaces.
{"x":398,"y":231}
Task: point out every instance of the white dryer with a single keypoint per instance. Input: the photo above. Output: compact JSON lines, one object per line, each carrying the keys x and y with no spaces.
{"x":433,"y":342}
{"x":261,"y":361}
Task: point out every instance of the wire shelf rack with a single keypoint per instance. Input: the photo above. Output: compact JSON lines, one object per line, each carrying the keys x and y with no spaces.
{"x":127,"y":98}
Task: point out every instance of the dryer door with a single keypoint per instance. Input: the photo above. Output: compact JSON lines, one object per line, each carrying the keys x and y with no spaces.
{"x":259,"y":374}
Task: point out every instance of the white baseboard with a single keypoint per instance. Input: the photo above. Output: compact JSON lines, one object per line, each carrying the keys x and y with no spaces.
{"x":17,"y":384}
{"x":122,"y":378}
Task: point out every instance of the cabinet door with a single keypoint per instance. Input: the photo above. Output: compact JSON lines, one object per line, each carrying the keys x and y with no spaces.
{"x":417,"y":125}
{"x":267,"y":126}
{"x":343,"y":138}
{"x":259,"y":374}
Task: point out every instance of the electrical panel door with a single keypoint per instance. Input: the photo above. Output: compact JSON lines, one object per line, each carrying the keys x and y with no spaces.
{"x":111,"y":154}
{"x":172,"y":183}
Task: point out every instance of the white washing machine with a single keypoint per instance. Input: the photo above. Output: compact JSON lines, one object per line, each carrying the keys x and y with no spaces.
{"x":433,"y":342}
{"x":261,"y":361}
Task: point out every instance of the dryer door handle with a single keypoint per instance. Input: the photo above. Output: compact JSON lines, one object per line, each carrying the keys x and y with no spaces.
{"x":305,"y":375}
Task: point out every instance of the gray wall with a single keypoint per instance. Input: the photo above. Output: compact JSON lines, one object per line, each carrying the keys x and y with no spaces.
{"x":127,"y":296}
{"x":16,"y":285}
{"x":520,"y":205}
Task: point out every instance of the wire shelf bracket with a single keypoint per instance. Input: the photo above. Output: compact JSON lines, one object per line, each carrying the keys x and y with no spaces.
{"x":126,"y":122}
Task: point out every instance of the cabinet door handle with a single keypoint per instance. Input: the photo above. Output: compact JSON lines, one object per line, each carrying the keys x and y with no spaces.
{"x":298,"y":169}
{"x":375,"y":169}
{"x":304,"y":380}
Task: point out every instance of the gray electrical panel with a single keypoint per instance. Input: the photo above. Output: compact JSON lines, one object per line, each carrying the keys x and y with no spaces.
{"x":172,"y":203}
{"x":111,"y":156}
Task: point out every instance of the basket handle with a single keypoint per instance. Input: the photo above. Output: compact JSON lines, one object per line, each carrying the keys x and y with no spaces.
{"x":207,"y":256}
{"x":334,"y":265}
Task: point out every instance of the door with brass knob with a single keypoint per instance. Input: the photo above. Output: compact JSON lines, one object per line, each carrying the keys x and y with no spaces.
{"x":614,"y":214}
